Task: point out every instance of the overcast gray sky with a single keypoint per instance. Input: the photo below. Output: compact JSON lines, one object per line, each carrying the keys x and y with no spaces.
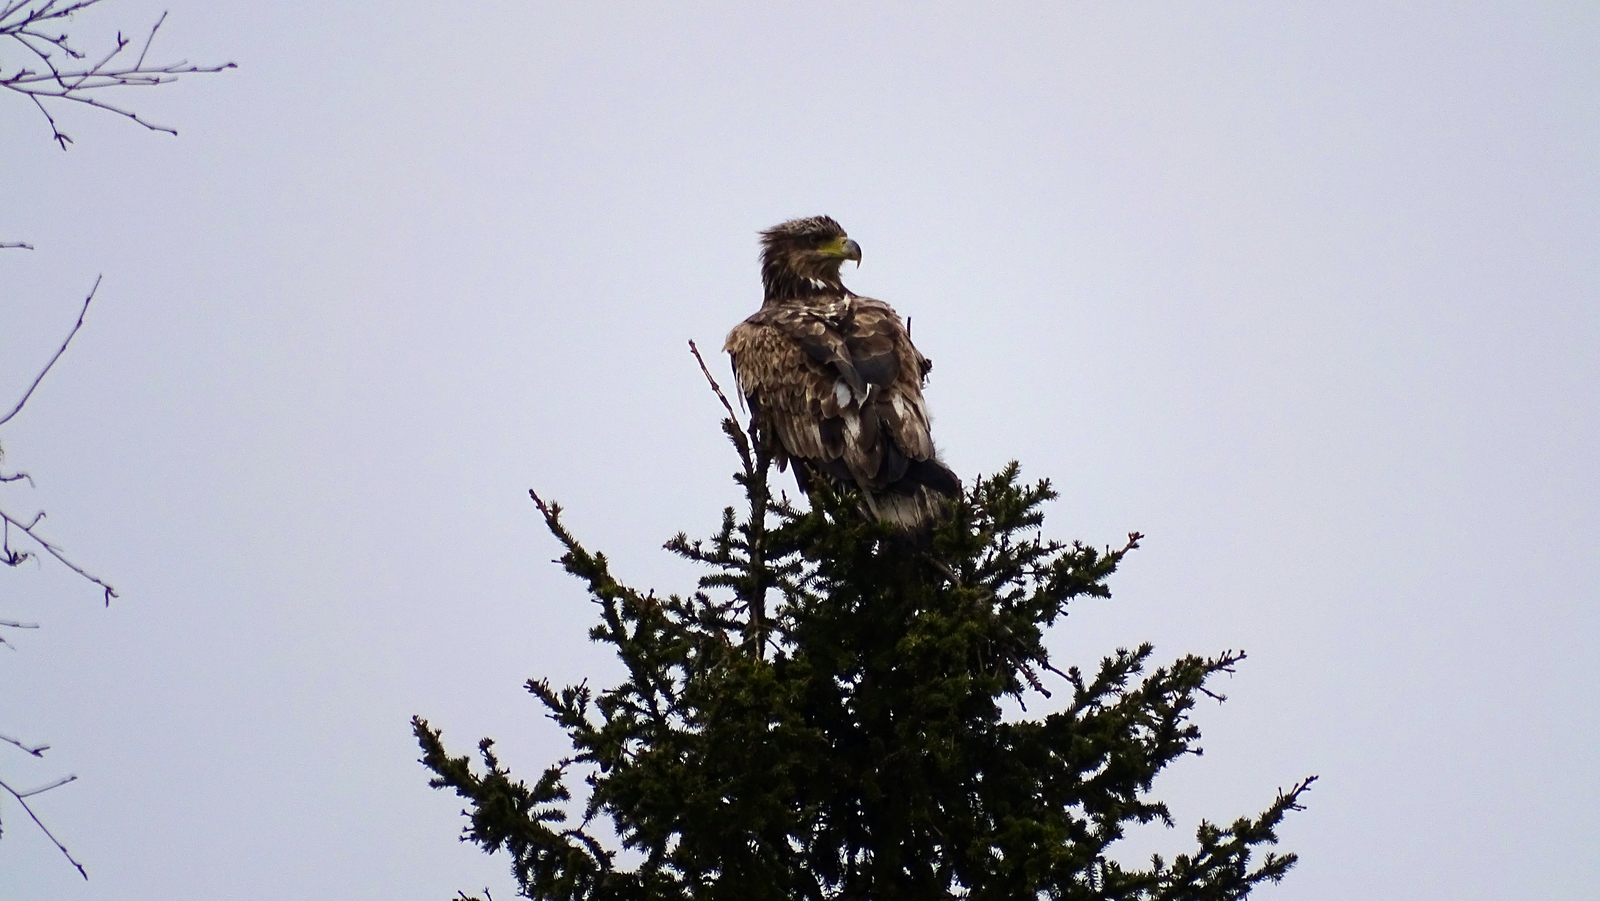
{"x":1307,"y":293}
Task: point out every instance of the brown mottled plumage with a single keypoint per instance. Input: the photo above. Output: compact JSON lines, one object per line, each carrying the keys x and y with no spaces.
{"x":833,"y":380}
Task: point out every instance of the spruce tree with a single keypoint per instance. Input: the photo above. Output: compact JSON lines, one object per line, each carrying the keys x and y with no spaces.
{"x":824,"y":718}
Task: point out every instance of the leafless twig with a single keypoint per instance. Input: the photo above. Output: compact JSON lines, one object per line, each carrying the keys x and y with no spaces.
{"x":13,"y":624}
{"x":35,"y":750}
{"x":59,"y":351}
{"x":51,"y":68}
{"x":714,"y":386}
{"x":39,"y":61}
{"x":13,"y":557}
{"x":738,"y":432}
{"x":22,"y":798}
{"x":52,"y":550}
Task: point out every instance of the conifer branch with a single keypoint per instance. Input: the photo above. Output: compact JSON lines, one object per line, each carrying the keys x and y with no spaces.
{"x":851,"y":743}
{"x":756,"y":457}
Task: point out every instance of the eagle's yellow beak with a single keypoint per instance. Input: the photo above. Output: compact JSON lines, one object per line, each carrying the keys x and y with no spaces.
{"x":843,"y":248}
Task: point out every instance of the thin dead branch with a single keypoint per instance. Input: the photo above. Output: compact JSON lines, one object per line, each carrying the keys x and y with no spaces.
{"x":18,"y":556}
{"x":714,"y":386}
{"x":59,"y":351}
{"x":744,"y":437}
{"x":35,"y":750}
{"x":50,"y":68}
{"x":13,"y":624}
{"x":22,"y":798}
{"x":8,"y":555}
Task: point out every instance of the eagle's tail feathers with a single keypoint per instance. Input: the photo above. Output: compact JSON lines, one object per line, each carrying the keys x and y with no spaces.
{"x":909,"y":512}
{"x":912,"y":504}
{"x":933,"y":475}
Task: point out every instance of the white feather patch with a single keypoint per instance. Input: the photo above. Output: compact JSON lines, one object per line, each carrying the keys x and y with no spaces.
{"x":841,"y":393}
{"x":852,"y":428}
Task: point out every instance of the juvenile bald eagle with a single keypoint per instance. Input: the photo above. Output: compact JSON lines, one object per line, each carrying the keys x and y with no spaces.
{"x":833,"y":381}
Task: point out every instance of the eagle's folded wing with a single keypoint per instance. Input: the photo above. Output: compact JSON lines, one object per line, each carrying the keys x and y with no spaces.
{"x":839,"y":387}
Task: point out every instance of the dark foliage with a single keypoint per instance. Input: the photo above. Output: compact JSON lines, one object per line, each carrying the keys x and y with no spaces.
{"x":823,"y":719}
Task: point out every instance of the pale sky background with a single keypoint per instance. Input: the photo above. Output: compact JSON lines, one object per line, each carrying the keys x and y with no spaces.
{"x":1307,"y":293}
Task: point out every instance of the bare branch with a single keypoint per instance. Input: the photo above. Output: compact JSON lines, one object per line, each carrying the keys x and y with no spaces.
{"x":714,"y":386}
{"x":22,"y":21}
{"x":11,"y":558}
{"x":153,"y":29}
{"x":37,"y":751}
{"x":8,"y":559}
{"x":8,"y":556}
{"x":56,"y":133}
{"x":59,"y":351}
{"x":52,"y":550}
{"x":735,"y":430}
{"x":15,"y":245}
{"x":22,"y":798}
{"x":42,"y":789}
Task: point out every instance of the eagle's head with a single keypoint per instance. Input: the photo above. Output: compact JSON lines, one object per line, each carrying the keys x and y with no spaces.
{"x":801,"y":258}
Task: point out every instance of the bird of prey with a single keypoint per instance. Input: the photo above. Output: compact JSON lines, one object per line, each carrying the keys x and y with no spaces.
{"x":833,"y":381}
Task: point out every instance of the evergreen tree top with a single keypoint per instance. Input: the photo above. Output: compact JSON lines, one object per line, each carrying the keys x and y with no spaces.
{"x":822,"y":719}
